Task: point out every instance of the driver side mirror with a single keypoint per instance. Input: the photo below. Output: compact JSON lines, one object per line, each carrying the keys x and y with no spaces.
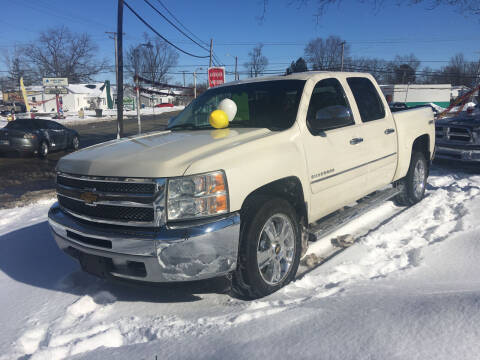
{"x":331,"y":117}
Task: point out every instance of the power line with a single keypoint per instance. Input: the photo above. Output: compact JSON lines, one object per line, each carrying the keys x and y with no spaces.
{"x":175,"y":26}
{"x":181,"y":24}
{"x":159,"y":35}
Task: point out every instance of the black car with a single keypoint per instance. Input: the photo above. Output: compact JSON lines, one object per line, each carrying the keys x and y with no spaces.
{"x":37,"y":136}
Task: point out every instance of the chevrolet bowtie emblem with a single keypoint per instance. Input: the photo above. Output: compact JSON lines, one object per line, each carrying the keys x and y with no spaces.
{"x":89,"y":198}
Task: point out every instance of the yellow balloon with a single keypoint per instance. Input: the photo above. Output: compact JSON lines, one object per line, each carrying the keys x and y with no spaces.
{"x":218,"y":119}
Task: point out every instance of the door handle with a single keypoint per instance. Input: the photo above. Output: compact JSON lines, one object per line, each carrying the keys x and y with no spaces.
{"x":355,"y":141}
{"x":389,"y":131}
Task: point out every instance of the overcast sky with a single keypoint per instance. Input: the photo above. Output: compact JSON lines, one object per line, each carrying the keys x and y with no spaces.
{"x":432,"y":35}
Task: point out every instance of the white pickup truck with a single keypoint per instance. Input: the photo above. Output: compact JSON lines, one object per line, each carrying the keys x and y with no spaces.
{"x":194,"y":202}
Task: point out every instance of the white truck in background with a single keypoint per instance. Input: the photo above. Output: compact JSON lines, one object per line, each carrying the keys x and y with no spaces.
{"x":193,"y":202}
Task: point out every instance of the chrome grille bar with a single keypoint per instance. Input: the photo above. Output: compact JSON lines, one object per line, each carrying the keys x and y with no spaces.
{"x":109,"y":200}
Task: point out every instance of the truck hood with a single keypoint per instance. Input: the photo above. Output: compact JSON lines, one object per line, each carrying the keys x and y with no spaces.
{"x":159,"y":154}
{"x":470,"y":121}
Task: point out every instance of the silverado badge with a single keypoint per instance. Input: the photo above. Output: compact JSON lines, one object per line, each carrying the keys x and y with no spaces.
{"x":89,"y":198}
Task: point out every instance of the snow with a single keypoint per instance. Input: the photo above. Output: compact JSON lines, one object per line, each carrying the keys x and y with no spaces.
{"x":407,"y":289}
{"x":72,"y":118}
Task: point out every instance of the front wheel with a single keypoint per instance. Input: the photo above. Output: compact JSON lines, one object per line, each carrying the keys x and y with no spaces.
{"x":270,"y":247}
{"x":75,"y":143}
{"x":43,"y":150}
{"x":413,"y":185}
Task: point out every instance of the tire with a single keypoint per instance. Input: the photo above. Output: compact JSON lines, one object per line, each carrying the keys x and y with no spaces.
{"x":268,"y":258}
{"x":412,"y":186}
{"x":75,"y":143}
{"x":43,"y":150}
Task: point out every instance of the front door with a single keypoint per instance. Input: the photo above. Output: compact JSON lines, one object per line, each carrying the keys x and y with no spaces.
{"x":334,"y":150}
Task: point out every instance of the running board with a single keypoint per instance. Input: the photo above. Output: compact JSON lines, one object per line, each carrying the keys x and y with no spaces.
{"x":339,"y":218}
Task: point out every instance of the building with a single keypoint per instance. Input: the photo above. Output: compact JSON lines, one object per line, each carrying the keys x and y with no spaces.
{"x":418,"y":94}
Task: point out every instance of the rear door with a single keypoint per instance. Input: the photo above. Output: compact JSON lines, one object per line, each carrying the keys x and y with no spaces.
{"x":378,"y":132}
{"x":335,"y":155}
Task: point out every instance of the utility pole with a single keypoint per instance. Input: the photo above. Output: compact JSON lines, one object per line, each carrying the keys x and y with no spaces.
{"x":211,"y":52}
{"x":183,"y":78}
{"x":236,"y":64}
{"x":343,"y":51}
{"x":120,"y":68}
{"x":114,"y":34}
{"x":137,"y":87}
{"x":194,"y":85}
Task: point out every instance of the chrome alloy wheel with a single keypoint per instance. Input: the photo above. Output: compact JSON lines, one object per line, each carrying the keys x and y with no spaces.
{"x":44,"y":149}
{"x":75,"y":143}
{"x":276,"y":249}
{"x":419,"y":178}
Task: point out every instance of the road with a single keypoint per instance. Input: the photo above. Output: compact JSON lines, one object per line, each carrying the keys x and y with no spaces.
{"x":20,"y":175}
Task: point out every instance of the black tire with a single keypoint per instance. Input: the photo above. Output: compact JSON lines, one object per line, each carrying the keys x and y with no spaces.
{"x":75,"y":143}
{"x":412,"y":191}
{"x":43,"y":150}
{"x":248,"y":280}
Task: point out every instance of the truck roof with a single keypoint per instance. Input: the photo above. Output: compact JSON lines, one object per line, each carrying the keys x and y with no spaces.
{"x":295,"y":76}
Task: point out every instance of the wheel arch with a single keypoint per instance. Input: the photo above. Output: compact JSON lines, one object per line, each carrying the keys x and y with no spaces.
{"x":288,"y":188}
{"x":421,"y":144}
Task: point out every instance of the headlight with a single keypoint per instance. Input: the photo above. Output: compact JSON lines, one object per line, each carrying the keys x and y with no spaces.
{"x":197,"y":196}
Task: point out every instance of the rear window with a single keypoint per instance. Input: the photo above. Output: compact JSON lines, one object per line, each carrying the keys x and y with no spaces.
{"x":368,"y":102}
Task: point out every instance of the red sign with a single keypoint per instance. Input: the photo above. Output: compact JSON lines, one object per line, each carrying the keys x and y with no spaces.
{"x":216,"y":76}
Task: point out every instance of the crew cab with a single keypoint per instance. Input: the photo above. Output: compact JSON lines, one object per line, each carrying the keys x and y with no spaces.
{"x":194,"y":202}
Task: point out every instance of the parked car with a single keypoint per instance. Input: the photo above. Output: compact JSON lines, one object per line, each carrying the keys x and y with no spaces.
{"x":195,"y":202}
{"x":164,"y":105}
{"x":37,"y":136}
{"x":458,"y":137}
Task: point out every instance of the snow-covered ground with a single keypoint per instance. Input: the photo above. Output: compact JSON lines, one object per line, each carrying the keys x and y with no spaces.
{"x":409,"y":289}
{"x":72,"y":118}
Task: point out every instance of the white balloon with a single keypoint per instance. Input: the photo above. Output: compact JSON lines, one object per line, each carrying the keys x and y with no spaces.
{"x":229,"y":107}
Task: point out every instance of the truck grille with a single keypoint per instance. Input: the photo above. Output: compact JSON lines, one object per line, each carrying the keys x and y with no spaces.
{"x":119,"y":201}
{"x":111,"y":187}
{"x":453,"y":133}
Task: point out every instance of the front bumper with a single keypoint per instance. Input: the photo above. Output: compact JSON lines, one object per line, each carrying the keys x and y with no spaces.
{"x":460,"y":154}
{"x":166,"y":254}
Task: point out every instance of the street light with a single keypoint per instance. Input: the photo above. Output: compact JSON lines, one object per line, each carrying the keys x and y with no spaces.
{"x":137,"y":81}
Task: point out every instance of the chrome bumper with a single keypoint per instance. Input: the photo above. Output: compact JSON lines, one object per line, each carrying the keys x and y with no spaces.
{"x":449,"y":153}
{"x":167,"y":254}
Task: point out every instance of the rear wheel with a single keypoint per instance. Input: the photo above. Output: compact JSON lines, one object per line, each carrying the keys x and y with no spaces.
{"x":75,"y":143}
{"x":270,"y":247}
{"x":413,"y":185}
{"x":43,"y":149}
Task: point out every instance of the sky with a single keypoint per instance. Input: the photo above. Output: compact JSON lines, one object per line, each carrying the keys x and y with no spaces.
{"x":432,"y":35}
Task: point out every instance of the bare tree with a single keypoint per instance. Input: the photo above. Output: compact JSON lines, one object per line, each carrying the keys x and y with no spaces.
{"x":17,"y":67}
{"x":326,"y":54}
{"x":459,"y":71}
{"x":60,"y":53}
{"x":463,"y":6}
{"x":258,"y":62}
{"x":152,"y":59}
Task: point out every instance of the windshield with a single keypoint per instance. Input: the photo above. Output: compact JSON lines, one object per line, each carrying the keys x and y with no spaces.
{"x":268,"y":104}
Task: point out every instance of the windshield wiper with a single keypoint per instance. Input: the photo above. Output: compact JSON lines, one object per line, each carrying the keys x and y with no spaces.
{"x":186,"y":127}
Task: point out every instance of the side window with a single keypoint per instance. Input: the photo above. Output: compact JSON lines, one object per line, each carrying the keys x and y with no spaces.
{"x":369,"y":103}
{"x":328,"y":108}
{"x":53,"y":125}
